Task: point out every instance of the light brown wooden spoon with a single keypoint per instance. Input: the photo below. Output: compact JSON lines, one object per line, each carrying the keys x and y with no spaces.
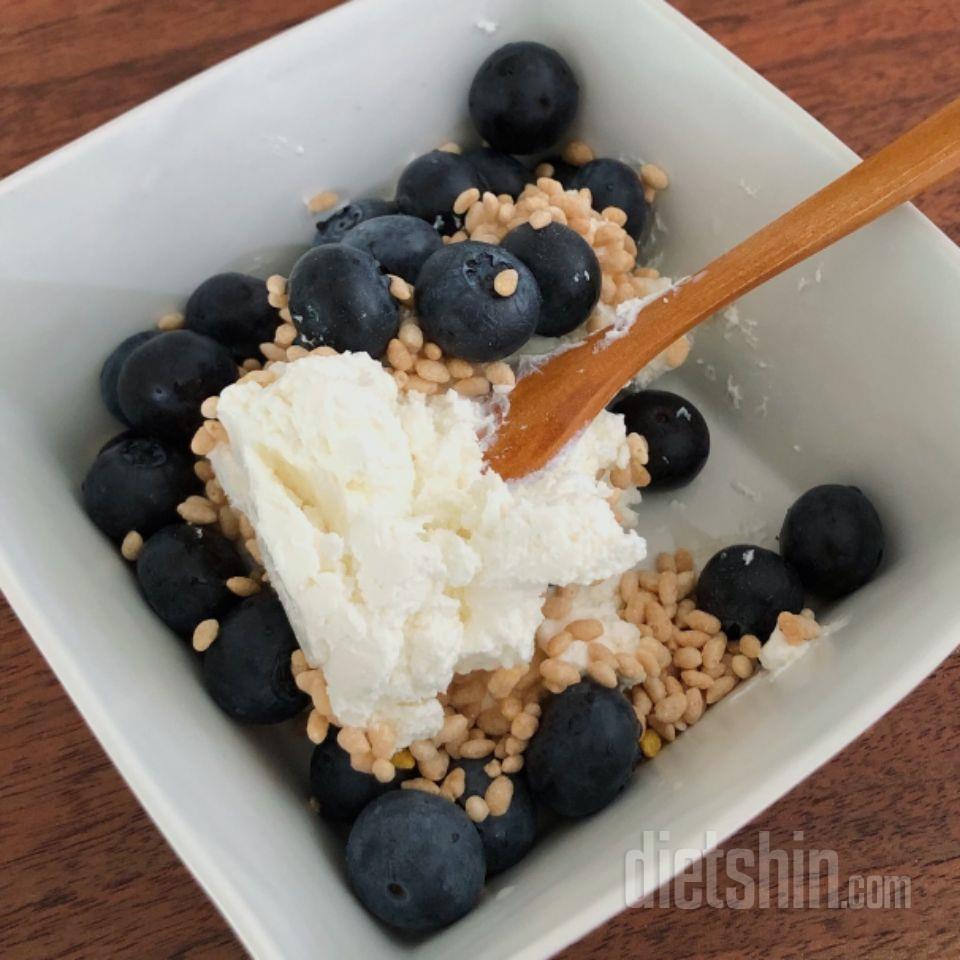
{"x":551,"y":405}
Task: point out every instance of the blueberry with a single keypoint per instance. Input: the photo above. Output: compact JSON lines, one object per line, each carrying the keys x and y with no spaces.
{"x":833,"y":537}
{"x":340,"y":299}
{"x":676,"y":433}
{"x":164,"y":381}
{"x":462,"y":313}
{"x":135,"y":484}
{"x":232,"y":308}
{"x":415,"y":861}
{"x":746,"y":587}
{"x":584,"y":751}
{"x":562,"y":171}
{"x":334,"y":228}
{"x":524,"y":97}
{"x":110,"y":371}
{"x":504,"y":173}
{"x":614,"y":184}
{"x":183,"y":571}
{"x":341,"y":791}
{"x":247,"y":669}
{"x":430,"y":184}
{"x":566,"y":270}
{"x":507,"y":839}
{"x":400,"y":243}
{"x":119,"y":438}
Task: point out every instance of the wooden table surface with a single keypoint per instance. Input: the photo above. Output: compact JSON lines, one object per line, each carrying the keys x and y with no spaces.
{"x":83,"y":872}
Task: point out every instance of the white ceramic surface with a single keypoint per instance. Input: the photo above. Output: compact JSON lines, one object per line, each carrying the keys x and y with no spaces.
{"x":859,"y":369}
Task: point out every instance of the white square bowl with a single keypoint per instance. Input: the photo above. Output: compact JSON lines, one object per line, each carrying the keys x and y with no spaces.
{"x":851,"y":373}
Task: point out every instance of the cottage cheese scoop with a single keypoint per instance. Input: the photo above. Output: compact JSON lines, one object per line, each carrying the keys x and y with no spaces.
{"x":399,"y":557}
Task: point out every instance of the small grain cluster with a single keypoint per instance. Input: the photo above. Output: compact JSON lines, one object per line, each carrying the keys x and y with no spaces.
{"x":419,"y":365}
{"x":488,"y":218}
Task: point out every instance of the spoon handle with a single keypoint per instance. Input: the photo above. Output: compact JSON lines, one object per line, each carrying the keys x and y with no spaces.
{"x":901,"y":170}
{"x":551,"y":406}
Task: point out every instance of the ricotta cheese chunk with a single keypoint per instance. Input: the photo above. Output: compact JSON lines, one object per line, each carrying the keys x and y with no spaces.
{"x":399,"y":558}
{"x":778,"y":653}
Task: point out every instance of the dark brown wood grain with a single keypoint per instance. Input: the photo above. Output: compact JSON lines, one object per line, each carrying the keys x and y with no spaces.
{"x":83,"y":872}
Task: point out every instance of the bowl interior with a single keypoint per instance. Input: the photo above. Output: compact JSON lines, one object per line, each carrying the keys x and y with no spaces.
{"x":844,"y":369}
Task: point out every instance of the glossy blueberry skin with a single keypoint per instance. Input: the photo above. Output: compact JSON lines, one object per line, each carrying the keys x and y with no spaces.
{"x":584,"y":751}
{"x":415,"y":861}
{"x":566,"y":270}
{"x":508,"y":838}
{"x":746,"y":588}
{"x":429,"y":185}
{"x":401,"y":244}
{"x":247,"y":668}
{"x":341,"y":791}
{"x":164,"y":381}
{"x":834,"y":539}
{"x":119,"y":438}
{"x":340,"y":299}
{"x":336,"y":226}
{"x":110,"y":371}
{"x":504,"y":173}
{"x":183,"y":571}
{"x":675,"y":431}
{"x":462,"y":313}
{"x":523,"y":98}
{"x":135,"y":484}
{"x":614,"y":184}
{"x":232,"y":309}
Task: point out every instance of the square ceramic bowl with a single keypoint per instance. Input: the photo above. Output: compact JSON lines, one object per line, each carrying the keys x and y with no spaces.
{"x":845,"y":369}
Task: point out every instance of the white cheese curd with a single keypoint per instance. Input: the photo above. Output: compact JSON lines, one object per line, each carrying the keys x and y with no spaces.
{"x":398,"y":557}
{"x":777,"y":653}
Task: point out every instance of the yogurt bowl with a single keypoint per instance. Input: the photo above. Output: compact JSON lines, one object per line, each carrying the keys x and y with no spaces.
{"x":799,"y":383}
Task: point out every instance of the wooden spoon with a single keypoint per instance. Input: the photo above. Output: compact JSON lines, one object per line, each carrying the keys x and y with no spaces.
{"x":551,"y":405}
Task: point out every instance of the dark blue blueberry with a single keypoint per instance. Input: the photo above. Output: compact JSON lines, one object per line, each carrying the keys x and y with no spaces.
{"x":746,"y":587}
{"x":507,"y":839}
{"x":524,"y":97}
{"x":232,"y":308}
{"x":341,"y":791}
{"x":119,"y":438}
{"x":340,"y":299}
{"x":504,"y":173}
{"x":566,"y":270}
{"x":247,"y":669}
{"x":183,"y":572}
{"x":676,"y":433}
{"x":614,"y":184}
{"x":562,"y":171}
{"x":110,"y":371}
{"x":415,"y":861}
{"x":334,"y":228}
{"x":584,"y":751}
{"x":430,"y":184}
{"x":401,"y":244}
{"x":462,"y":313}
{"x":834,"y":539}
{"x":164,"y":381}
{"x":135,"y":484}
